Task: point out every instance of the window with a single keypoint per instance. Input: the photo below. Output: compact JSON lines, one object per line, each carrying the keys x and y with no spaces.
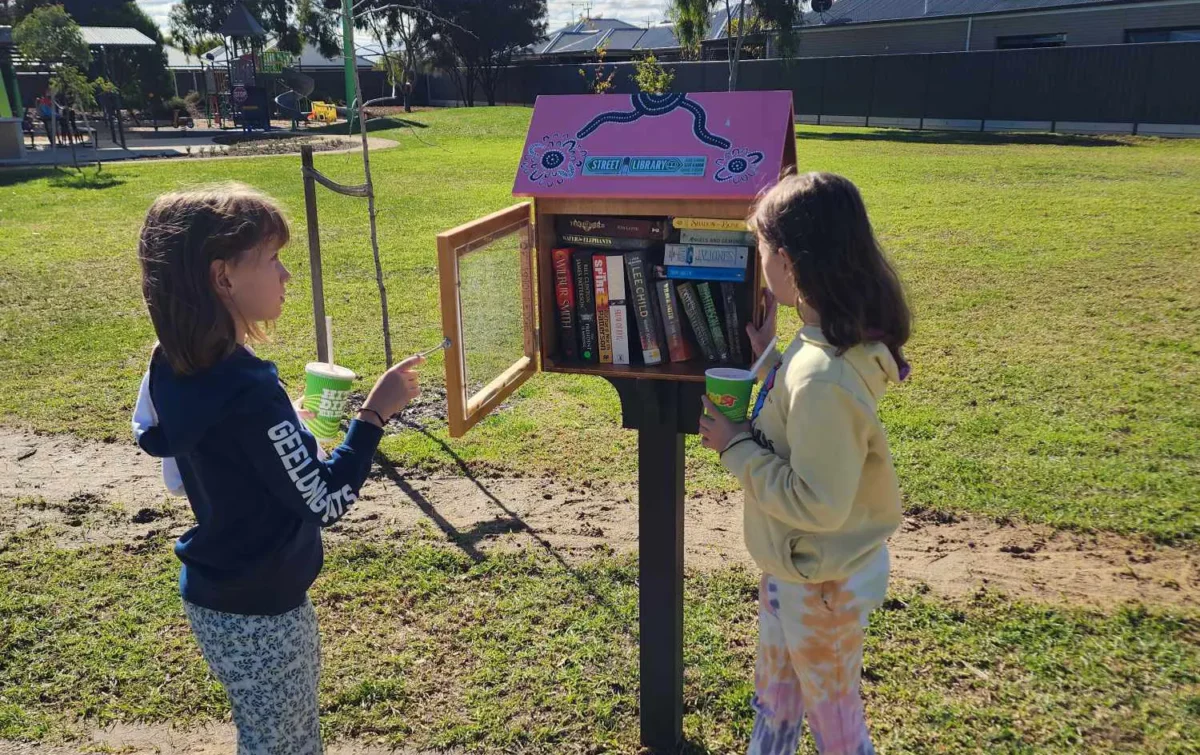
{"x":1031,"y":40}
{"x":1186,"y":34}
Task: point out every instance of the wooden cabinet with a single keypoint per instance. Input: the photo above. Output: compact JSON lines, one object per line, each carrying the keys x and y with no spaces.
{"x":705,"y":155}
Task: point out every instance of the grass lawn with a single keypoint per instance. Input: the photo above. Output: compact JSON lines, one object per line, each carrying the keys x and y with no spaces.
{"x":1056,"y":283}
{"x":517,"y":653}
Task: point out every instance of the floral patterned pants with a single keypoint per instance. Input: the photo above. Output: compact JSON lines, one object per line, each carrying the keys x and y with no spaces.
{"x":810,"y":650}
{"x":269,"y":667}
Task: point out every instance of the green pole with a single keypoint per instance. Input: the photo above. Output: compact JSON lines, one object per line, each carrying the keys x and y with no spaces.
{"x":349,"y":58}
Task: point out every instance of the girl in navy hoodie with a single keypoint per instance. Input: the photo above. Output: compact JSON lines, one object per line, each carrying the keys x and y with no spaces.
{"x":259,"y":485}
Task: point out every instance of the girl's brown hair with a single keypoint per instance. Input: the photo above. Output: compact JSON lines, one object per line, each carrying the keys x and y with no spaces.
{"x":183,"y":234}
{"x":820,"y":222}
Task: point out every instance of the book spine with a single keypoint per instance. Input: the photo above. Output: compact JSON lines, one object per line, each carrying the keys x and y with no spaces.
{"x":714,"y":320}
{"x":695,"y":315}
{"x":734,"y":332}
{"x":641,"y":299}
{"x":603,"y":321}
{"x":585,"y":303}
{"x":696,"y":236}
{"x":706,"y":255}
{"x":705,"y":273}
{"x":607,"y":242}
{"x":564,"y":296}
{"x":668,"y":300}
{"x":710,"y":224}
{"x":598,"y":225}
{"x":617,"y":309}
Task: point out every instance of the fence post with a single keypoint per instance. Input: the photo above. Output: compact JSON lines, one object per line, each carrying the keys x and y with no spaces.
{"x":314,"y":254}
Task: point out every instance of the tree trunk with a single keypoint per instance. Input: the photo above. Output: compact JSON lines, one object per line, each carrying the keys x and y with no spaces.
{"x":366,"y":154}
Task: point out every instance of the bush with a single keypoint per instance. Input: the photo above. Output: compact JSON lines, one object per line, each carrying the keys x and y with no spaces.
{"x":176,"y":103}
{"x":651,"y":77}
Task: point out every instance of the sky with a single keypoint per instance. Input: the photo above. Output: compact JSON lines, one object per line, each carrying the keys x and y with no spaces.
{"x":562,"y":12}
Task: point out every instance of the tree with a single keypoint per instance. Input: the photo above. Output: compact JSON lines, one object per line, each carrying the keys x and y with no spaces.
{"x":651,"y":77}
{"x":780,"y":16}
{"x":690,"y":18}
{"x":51,"y":36}
{"x":289,"y":22}
{"x":482,"y":40}
{"x":137,"y":70}
{"x":601,"y":81}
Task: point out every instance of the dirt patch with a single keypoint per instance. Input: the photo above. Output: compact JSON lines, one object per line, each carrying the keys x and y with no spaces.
{"x":89,"y":493}
{"x":215,"y":739}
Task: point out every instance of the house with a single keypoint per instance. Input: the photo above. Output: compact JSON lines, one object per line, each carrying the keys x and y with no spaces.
{"x":881,"y":27}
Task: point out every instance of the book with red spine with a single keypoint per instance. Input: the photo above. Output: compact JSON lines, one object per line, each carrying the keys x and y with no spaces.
{"x":603,"y":315}
{"x":564,"y":299}
{"x":678,"y":347}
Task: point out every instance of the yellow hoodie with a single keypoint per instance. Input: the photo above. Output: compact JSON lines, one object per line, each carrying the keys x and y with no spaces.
{"x":821,"y":492}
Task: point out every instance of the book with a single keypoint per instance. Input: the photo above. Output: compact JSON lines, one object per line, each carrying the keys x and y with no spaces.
{"x":700,"y":236}
{"x":613,"y":227}
{"x":603,"y":321}
{"x":694,"y":310}
{"x":710,"y":224}
{"x":606,"y":242}
{"x":641,"y":296}
{"x":678,"y":347}
{"x":714,"y":320}
{"x":706,"y":255}
{"x":618,"y":312}
{"x":585,"y":305}
{"x":564,"y":299}
{"x":704,"y":273}
{"x":735,"y":333}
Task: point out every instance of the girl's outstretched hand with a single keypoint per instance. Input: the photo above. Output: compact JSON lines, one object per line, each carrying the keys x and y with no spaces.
{"x":716,"y":430}
{"x":395,"y":388}
{"x":760,"y":338}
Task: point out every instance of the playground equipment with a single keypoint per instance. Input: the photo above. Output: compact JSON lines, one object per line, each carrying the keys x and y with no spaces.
{"x":290,"y":102}
{"x":323,"y":112}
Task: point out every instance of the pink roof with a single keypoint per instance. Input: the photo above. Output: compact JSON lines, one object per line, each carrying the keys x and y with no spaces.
{"x":707,"y":145}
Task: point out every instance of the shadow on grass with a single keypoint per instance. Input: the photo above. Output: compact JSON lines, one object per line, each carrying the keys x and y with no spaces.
{"x":14,"y":176}
{"x":84,"y":180}
{"x":965,"y":137}
{"x":383,"y":123}
{"x":511,"y":522}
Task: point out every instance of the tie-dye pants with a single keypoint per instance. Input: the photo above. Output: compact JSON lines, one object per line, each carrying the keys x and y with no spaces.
{"x":810,"y":650}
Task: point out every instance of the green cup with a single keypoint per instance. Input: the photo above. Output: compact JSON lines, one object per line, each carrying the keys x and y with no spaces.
{"x":326,"y":390}
{"x":729,"y":388}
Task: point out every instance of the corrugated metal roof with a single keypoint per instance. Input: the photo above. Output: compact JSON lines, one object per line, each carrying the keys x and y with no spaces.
{"x":115,"y":36}
{"x":874,"y":11}
{"x":178,"y":60}
{"x":579,"y":42}
{"x":658,"y":38}
{"x":624,"y":39}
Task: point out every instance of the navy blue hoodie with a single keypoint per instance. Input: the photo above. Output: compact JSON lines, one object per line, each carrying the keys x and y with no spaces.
{"x":252,"y":474}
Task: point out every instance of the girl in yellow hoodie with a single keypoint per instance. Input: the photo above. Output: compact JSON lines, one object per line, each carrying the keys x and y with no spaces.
{"x":821,"y":492}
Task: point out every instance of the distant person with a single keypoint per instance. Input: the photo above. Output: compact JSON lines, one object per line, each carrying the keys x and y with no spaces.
{"x":45,"y":108}
{"x":822,"y":496}
{"x":260,"y":486}
{"x":408,"y":93}
{"x":69,"y":126}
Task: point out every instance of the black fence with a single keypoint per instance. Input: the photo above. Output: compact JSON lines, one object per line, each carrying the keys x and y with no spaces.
{"x":1111,"y":87}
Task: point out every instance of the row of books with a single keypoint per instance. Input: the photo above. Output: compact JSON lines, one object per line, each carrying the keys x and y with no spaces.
{"x":624,"y":309}
{"x":703,"y":249}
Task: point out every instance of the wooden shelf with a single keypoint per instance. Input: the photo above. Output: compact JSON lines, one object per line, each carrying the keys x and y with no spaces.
{"x":692,"y":371}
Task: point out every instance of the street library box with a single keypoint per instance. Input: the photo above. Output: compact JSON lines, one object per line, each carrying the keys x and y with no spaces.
{"x":642,"y":196}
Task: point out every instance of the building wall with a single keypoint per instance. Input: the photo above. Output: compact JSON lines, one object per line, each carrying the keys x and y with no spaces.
{"x":1083,"y":26}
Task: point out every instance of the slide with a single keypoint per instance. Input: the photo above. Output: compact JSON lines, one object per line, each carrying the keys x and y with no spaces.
{"x":289,"y":102}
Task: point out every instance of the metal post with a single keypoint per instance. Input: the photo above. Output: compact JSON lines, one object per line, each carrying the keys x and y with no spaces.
{"x":660,"y":564}
{"x":314,"y":254}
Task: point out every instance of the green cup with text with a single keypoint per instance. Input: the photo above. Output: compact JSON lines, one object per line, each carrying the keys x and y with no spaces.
{"x":326,"y":390}
{"x":729,"y":388}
